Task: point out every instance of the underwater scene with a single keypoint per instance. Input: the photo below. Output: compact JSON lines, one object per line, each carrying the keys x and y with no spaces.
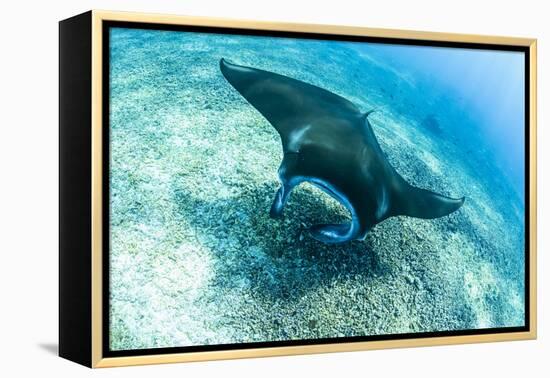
{"x":270,"y":189}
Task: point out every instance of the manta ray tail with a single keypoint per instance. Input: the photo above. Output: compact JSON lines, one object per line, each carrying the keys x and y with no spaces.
{"x":421,"y":203}
{"x":367,"y":114}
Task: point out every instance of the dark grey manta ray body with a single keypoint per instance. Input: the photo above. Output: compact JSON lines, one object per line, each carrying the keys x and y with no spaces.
{"x":329,"y":142}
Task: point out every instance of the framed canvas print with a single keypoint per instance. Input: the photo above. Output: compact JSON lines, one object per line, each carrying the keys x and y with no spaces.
{"x":237,"y":189}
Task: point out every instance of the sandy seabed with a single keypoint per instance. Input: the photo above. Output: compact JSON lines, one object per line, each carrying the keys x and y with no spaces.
{"x":195,"y":258}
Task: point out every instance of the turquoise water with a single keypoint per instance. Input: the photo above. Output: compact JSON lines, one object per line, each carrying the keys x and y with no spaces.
{"x":195,"y":258}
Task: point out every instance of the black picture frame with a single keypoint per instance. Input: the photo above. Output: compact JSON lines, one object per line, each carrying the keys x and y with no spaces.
{"x":77,"y":324}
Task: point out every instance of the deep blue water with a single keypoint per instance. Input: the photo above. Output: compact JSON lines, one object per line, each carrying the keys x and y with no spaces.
{"x":480,"y":95}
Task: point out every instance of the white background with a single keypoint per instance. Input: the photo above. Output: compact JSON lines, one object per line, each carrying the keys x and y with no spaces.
{"x":29,"y":189}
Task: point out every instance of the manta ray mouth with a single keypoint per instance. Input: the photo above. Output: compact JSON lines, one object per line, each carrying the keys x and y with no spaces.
{"x":334,"y":233}
{"x":331,"y":191}
{"x":335,"y":194}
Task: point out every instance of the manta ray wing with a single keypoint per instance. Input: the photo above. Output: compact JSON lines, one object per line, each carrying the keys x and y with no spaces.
{"x":288,"y":104}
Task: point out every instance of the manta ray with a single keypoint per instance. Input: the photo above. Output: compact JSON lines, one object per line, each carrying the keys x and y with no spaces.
{"x":329,"y":142}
